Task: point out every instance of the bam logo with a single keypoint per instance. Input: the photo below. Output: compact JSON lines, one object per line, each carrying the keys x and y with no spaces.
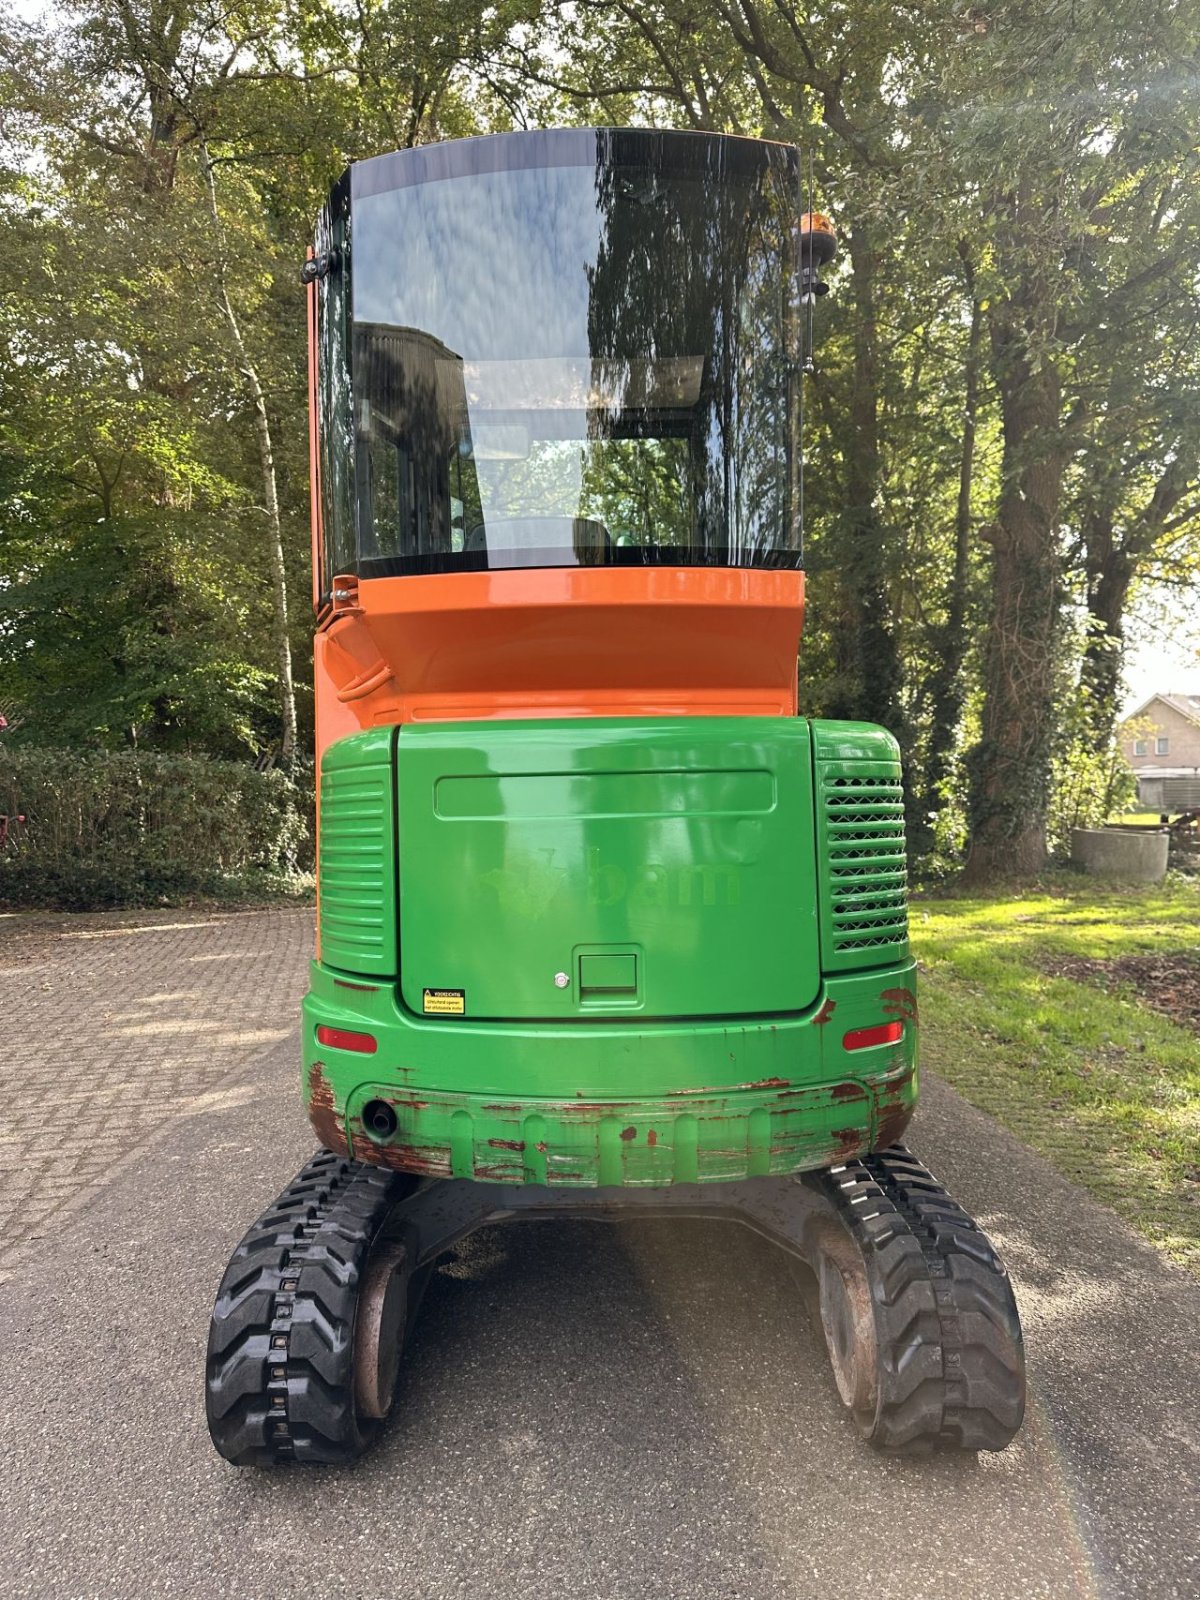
{"x":655,"y":885}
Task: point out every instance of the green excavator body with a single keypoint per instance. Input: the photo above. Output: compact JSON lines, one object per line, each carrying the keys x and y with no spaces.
{"x":611,"y":950}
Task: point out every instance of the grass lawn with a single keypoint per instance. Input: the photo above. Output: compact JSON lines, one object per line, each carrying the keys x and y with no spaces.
{"x":1106,"y":1089}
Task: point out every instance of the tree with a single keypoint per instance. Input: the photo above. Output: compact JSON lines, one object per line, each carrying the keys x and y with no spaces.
{"x":1000,"y":430}
{"x":156,"y":318}
{"x":1019,"y":144}
{"x":1058,"y":195}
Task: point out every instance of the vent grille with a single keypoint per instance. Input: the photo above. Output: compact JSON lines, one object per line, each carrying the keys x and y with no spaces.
{"x":356,"y":868}
{"x":862,"y":823}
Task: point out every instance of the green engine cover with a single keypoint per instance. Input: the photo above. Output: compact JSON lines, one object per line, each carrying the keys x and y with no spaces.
{"x":586,"y":868}
{"x":611,"y":951}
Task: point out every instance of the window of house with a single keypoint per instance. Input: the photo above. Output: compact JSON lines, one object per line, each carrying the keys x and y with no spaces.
{"x":1161,"y":746}
{"x":1139,"y":747}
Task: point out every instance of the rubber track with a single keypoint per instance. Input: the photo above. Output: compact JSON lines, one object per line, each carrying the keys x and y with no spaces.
{"x":951,"y":1359}
{"x":280,"y":1350}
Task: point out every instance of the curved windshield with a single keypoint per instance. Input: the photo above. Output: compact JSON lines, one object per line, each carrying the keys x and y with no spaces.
{"x":575,"y":348}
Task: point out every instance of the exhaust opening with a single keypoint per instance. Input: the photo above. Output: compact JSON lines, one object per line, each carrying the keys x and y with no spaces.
{"x":379,"y":1120}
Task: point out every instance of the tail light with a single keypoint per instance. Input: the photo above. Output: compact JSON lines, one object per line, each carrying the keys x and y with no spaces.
{"x":881,"y":1033}
{"x":344,"y":1039}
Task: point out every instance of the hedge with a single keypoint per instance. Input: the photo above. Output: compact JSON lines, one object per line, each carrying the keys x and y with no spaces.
{"x":129,"y":829}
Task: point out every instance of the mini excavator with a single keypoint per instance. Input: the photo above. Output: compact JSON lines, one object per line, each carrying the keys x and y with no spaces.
{"x":605,"y":928}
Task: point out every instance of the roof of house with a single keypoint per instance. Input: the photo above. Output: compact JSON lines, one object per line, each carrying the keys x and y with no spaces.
{"x":1187,"y":705}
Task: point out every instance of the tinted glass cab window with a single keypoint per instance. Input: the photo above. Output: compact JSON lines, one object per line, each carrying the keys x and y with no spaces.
{"x":575,"y":348}
{"x":334,"y":408}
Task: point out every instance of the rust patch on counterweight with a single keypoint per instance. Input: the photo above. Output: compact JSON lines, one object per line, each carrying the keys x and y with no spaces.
{"x":900,"y":1004}
{"x":430,"y":1161}
{"x":507,"y":1144}
{"x":826,"y":1011}
{"x":322,"y":1112}
{"x":894,"y":1110}
{"x":892,"y":1123}
{"x":847,"y":1091}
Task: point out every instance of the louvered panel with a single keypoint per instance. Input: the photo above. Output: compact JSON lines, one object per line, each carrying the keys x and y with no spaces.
{"x":860,"y":803}
{"x":357,"y":856}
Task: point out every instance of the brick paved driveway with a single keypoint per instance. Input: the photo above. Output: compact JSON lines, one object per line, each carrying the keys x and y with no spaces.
{"x":117,"y":1025}
{"x":629,"y":1413}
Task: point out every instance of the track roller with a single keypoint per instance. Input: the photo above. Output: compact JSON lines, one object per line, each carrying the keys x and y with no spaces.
{"x":917,"y":1310}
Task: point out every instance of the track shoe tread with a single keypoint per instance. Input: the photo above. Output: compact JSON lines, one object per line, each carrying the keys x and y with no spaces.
{"x":950,"y":1365}
{"x":281,"y":1344}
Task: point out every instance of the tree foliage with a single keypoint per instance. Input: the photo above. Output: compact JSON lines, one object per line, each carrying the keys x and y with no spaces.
{"x":1003,"y":440}
{"x":1004,"y":433}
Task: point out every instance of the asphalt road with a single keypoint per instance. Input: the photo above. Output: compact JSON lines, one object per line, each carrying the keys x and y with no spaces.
{"x":586,"y":1410}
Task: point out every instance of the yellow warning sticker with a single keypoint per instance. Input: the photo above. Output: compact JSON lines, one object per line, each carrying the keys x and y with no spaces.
{"x":445,"y":1002}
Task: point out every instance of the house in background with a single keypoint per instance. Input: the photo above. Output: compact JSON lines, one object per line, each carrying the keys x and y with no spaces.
{"x":1161,"y":742}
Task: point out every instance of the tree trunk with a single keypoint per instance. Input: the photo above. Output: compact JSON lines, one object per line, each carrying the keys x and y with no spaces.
{"x":947,"y":688}
{"x":1112,"y":564}
{"x":868,"y":665}
{"x":1109,"y":576}
{"x":262,"y":426}
{"x":1010,"y":766}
